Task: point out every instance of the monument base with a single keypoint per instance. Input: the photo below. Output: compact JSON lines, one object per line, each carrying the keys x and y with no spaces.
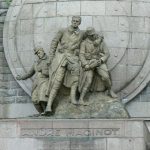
{"x":99,"y":105}
{"x":46,"y":134}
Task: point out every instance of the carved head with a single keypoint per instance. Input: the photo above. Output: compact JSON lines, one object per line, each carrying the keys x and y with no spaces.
{"x":76,"y":21}
{"x":39,"y":52}
{"x":90,"y":31}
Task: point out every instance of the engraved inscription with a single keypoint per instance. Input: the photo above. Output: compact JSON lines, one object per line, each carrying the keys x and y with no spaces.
{"x":49,"y":132}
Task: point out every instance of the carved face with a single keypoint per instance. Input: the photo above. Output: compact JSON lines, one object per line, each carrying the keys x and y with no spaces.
{"x":75,"y":22}
{"x":40,"y":54}
{"x":91,"y":37}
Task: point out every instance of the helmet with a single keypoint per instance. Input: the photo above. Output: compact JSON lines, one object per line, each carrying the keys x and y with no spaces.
{"x":90,"y":31}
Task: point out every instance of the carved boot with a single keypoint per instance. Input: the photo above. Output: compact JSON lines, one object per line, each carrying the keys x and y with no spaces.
{"x":81,"y":101}
{"x":52,"y":96}
{"x":73,"y":94}
{"x":112,"y":94}
{"x":43,"y":105}
{"x":38,"y":108}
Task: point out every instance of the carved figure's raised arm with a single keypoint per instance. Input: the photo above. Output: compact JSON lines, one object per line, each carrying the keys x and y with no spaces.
{"x":27,"y":75}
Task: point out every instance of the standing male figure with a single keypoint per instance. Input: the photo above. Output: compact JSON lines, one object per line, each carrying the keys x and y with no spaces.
{"x":93,"y":56}
{"x":65,"y":65}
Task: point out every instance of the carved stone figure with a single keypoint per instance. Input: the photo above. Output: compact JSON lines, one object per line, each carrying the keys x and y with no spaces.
{"x":65,"y":65}
{"x":93,"y":56}
{"x":40,"y":83}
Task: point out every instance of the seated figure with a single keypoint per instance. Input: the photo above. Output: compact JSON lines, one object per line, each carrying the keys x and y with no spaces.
{"x":93,"y":57}
{"x":40,"y":83}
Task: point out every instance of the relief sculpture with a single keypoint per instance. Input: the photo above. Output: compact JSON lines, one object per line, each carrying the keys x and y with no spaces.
{"x":77,"y":61}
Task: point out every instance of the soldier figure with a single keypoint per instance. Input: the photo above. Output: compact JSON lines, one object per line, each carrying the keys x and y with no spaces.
{"x":93,"y":56}
{"x":40,"y":83}
{"x":65,"y":65}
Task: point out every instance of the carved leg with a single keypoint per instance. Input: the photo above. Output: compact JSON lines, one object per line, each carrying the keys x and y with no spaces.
{"x":43,"y":105}
{"x":86,"y":87}
{"x":36,"y":104}
{"x":106,"y":78}
{"x":38,"y":108}
{"x":73,"y":93}
{"x":54,"y":90}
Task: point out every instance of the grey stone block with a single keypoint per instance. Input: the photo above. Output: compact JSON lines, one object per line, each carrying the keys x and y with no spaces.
{"x":126,"y":144}
{"x":55,"y":145}
{"x":8,"y":130}
{"x":8,"y":100}
{"x":68,"y":8}
{"x":139,"y":56}
{"x":87,"y":21}
{"x":18,"y":110}
{"x":4,"y":5}
{"x":39,"y":25}
{"x":14,"y":85}
{"x":2,"y":19}
{"x":118,"y":8}
{"x":134,"y":24}
{"x":8,"y":77}
{"x":117,"y":39}
{"x":23,"y":144}
{"x":34,"y":1}
{"x":23,"y":99}
{"x":21,"y":92}
{"x":3,"y":62}
{"x":140,"y":40}
{"x":1,"y":48}
{"x":45,"y":10}
{"x":134,"y":129}
{"x":79,"y":124}
{"x":26,"y":12}
{"x":54,"y":24}
{"x":105,"y":23}
{"x":139,"y":144}
{"x":6,"y":92}
{"x":132,"y":71}
{"x":135,"y":109}
{"x":4,"y":85}
{"x":143,"y":7}
{"x":119,"y":73}
{"x":82,"y":144}
{"x":26,"y":26}
{"x":92,"y":7}
{"x":5,"y":70}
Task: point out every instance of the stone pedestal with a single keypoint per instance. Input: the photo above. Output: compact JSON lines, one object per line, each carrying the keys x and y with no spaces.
{"x":46,"y":134}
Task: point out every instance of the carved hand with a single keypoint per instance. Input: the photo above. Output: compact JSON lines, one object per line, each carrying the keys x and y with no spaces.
{"x":86,"y":67}
{"x":18,"y":77}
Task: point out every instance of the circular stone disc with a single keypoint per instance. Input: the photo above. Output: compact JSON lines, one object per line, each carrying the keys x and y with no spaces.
{"x":34,"y":23}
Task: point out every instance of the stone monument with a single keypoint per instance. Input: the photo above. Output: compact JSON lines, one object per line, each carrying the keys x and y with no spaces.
{"x":81,"y":62}
{"x":75,"y":58}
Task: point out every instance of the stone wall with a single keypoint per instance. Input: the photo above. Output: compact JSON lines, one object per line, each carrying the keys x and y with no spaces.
{"x":12,"y":96}
{"x":15,"y":102}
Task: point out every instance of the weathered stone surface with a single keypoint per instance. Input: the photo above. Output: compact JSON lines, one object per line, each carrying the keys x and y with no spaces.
{"x":47,"y":10}
{"x":93,"y":8}
{"x":100,"y":106}
{"x":135,"y":24}
{"x":68,"y":8}
{"x":113,"y":18}
{"x":39,"y":134}
{"x":143,"y":7}
{"x":118,"y":8}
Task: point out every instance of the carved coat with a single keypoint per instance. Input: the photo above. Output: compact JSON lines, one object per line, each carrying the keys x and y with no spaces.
{"x":64,"y":52}
{"x":40,"y":82}
{"x":91,"y":50}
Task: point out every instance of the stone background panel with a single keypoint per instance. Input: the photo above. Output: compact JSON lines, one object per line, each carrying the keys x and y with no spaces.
{"x":124,"y":24}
